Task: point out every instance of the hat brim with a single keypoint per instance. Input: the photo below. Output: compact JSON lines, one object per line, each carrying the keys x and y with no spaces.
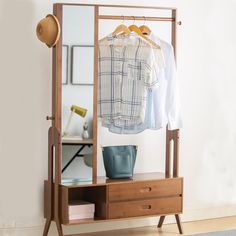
{"x":58,"y":30}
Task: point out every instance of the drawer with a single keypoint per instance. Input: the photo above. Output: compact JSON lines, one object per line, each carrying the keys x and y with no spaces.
{"x":161,"y":206}
{"x":145,"y":189}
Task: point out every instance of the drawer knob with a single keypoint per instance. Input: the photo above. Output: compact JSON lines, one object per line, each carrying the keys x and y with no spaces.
{"x":146,"y":189}
{"x":146,"y":207}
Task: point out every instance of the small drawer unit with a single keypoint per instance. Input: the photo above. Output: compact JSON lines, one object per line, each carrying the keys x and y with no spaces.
{"x":145,"y":189}
{"x":156,"y":206}
{"x":144,"y":198}
{"x":144,"y":195}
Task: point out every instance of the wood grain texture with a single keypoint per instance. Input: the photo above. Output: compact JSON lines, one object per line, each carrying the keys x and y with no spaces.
{"x":74,"y":141}
{"x":168,"y":154}
{"x":174,"y":31}
{"x":64,"y":204}
{"x":161,"y":220}
{"x":46,"y":227}
{"x":47,"y":201}
{"x":57,"y":72}
{"x":55,"y":135}
{"x":121,"y":6}
{"x":95,"y":91}
{"x":144,"y":190}
{"x":115,"y":17}
{"x":57,"y":91}
{"x":177,"y":217}
{"x":102,"y":180}
{"x":159,"y":206}
{"x":175,"y":133}
{"x":48,"y":188}
{"x":123,"y":192}
{"x":176,"y":154}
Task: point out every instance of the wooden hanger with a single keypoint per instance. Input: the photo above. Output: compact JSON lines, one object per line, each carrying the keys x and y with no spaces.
{"x":121,"y":29}
{"x":144,"y":28}
{"x":135,"y":28}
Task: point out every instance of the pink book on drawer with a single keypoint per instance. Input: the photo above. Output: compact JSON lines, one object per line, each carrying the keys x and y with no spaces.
{"x":81,"y":210}
{"x":82,"y":216}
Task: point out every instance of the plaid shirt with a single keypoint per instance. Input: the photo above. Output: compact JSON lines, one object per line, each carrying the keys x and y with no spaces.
{"x":126,"y":66}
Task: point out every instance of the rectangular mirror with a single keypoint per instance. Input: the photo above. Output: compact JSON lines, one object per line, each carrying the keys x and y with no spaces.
{"x":77,"y":92}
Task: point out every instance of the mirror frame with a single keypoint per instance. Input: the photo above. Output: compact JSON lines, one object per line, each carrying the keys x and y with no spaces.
{"x":57,"y":87}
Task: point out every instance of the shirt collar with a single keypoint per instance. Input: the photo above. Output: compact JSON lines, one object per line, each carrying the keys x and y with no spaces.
{"x":131,"y":39}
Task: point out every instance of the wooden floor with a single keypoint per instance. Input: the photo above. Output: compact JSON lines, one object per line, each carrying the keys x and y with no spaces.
{"x":190,"y":228}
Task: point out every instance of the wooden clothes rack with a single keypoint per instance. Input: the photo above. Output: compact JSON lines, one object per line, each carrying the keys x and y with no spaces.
{"x":170,"y":135}
{"x":53,"y":203}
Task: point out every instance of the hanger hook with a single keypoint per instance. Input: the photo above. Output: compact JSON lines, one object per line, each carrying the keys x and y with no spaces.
{"x":134,"y":19}
{"x":123,"y":21}
{"x":145,"y":19}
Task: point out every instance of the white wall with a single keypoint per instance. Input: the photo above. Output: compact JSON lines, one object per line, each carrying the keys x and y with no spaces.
{"x":206,"y":57}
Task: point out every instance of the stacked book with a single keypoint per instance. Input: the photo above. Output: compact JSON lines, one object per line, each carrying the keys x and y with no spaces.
{"x":81,"y":210}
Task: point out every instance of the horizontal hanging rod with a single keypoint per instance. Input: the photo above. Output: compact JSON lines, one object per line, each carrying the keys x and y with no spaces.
{"x":143,"y":18}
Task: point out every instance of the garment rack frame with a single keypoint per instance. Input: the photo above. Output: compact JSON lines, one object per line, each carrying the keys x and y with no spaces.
{"x":52,"y":205}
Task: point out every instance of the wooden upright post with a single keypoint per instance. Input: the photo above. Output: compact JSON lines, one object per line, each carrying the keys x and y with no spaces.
{"x":172,"y":136}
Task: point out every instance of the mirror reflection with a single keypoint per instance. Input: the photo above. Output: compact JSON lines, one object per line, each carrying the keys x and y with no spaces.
{"x":77,"y":92}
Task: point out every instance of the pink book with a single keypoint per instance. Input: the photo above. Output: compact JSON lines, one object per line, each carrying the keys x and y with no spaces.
{"x":82,"y":216}
{"x":79,"y":207}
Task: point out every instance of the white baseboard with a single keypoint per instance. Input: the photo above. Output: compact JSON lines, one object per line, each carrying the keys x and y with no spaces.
{"x":189,"y":215}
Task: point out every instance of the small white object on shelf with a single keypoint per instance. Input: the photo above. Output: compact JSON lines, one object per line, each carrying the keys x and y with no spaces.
{"x":85,"y":131}
{"x":81,"y":210}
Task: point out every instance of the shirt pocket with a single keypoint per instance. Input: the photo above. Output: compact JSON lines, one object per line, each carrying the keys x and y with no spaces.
{"x":136,"y":71}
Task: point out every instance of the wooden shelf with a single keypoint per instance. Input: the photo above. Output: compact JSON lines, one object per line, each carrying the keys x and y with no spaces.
{"x":72,"y":140}
{"x":99,"y":219}
{"x":86,"y":221}
{"x":104,"y":181}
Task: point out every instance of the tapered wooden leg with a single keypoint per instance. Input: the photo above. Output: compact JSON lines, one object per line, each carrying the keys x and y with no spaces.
{"x":59,"y":228}
{"x":57,"y":181}
{"x":50,"y":180}
{"x":46,"y":227}
{"x":161,"y":220}
{"x":179,"y":223}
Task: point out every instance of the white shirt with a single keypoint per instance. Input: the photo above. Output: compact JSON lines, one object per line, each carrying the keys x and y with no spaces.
{"x":166,"y":101}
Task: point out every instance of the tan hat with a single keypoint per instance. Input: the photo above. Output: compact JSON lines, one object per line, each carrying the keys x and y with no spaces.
{"x":48,"y":30}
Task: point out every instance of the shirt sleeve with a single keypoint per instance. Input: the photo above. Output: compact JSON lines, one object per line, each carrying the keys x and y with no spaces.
{"x":172,"y":94}
{"x":153,"y":67}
